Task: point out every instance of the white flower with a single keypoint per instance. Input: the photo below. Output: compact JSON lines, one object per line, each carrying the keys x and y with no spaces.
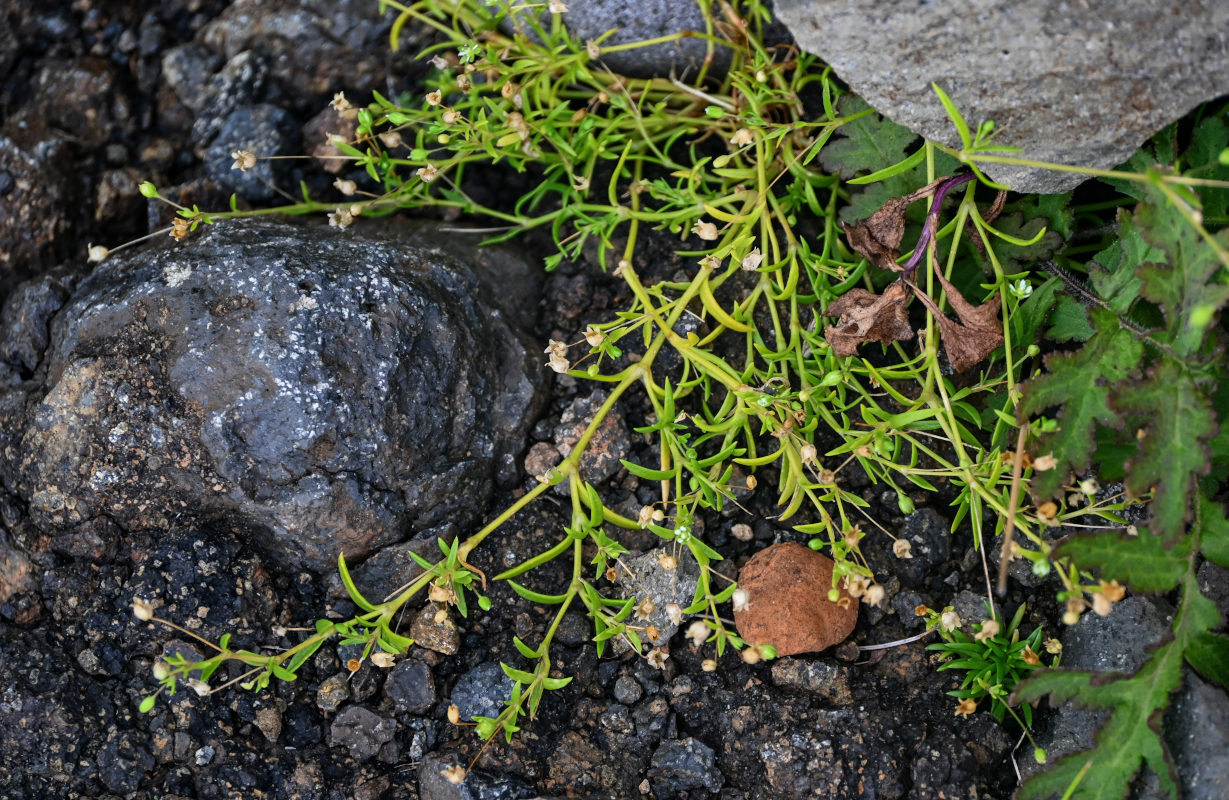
{"x":901,"y":548}
{"x":340,"y":103}
{"x":97,"y":253}
{"x":875,"y":594}
{"x":808,"y":453}
{"x":344,"y":186}
{"x":949,"y":621}
{"x":427,"y":174}
{"x":657,"y":657}
{"x":751,"y":261}
{"x":556,"y":7}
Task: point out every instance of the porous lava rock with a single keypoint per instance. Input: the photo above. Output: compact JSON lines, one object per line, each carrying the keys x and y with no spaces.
{"x":311,"y":390}
{"x":787,"y":586}
{"x":1081,"y":84}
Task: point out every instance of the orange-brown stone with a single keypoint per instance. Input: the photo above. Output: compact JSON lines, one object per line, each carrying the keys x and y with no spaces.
{"x":787,"y":586}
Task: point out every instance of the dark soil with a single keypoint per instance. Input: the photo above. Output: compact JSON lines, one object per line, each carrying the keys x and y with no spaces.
{"x":89,"y":111}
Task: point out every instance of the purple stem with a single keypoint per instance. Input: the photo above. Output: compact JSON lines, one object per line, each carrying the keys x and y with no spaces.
{"x":932,"y":219}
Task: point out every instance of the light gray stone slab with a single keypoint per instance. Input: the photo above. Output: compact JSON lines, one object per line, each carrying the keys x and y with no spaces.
{"x":1080,"y":82}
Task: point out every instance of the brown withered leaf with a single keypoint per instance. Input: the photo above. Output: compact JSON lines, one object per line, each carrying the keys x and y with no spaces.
{"x":976,"y":335}
{"x":868,"y":317}
{"x":877,"y":239}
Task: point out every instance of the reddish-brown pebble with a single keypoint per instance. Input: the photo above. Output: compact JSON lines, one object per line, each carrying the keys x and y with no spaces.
{"x":787,"y":586}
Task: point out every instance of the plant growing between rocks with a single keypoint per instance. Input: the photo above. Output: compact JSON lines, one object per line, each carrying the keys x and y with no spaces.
{"x":794,"y":200}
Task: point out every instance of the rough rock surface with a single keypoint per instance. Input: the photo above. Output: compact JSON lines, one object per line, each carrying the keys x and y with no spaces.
{"x":788,"y":585}
{"x":591,"y":19}
{"x":1116,"y":643}
{"x":315,"y":391}
{"x":1072,"y":83}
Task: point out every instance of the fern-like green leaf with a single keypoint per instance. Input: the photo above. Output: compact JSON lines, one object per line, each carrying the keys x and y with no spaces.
{"x":1141,"y":562}
{"x":1214,"y":538}
{"x":1182,"y":283}
{"x":1178,"y":423}
{"x":1080,"y":384}
{"x":866,"y":144}
{"x":1209,"y":655}
{"x":1131,"y":736}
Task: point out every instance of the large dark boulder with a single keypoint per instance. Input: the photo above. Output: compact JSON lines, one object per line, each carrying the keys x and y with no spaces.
{"x":310,"y":389}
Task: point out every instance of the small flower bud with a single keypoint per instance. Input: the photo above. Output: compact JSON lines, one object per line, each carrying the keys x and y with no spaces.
{"x":592,"y":50}
{"x":709,"y":665}
{"x":142,"y":610}
{"x":344,"y":186}
{"x":875,"y":594}
{"x":743,"y":137}
{"x":161,"y":670}
{"x":434,"y":98}
{"x":989,"y":629}
{"x":902,"y":548}
{"x":97,"y":253}
{"x":808,"y":453}
{"x":341,"y":218}
{"x":741,"y":599}
{"x":244,"y":160}
{"x":391,"y":139}
{"x":752,"y":260}
{"x":698,"y":632}
{"x":148,"y":189}
{"x":454,"y":774}
{"x":340,"y":103}
{"x":705,"y":230}
{"x":200,"y":687}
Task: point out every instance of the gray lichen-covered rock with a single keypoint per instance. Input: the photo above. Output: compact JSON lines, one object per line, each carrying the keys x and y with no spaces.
{"x":1074,"y":83}
{"x":312,"y":390}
